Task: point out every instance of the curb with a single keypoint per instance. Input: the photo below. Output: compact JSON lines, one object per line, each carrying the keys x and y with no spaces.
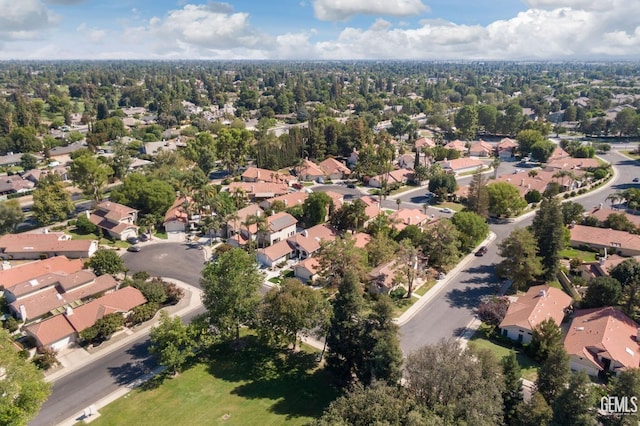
{"x":440,"y":285}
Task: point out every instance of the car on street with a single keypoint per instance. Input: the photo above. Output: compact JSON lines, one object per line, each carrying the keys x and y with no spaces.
{"x":446,"y":210}
{"x":351,"y":185}
{"x":143,"y":237}
{"x":636,"y":179}
{"x":133,"y":240}
{"x":482,"y":251}
{"x":133,"y":249}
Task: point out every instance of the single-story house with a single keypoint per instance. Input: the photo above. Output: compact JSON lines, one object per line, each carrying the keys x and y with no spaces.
{"x":307,"y":270}
{"x":275,"y":254}
{"x":257,"y":191}
{"x":538,"y":304}
{"x":481,"y":149}
{"x":33,"y":246}
{"x":289,"y":200}
{"x":458,"y":145}
{"x":402,"y":218}
{"x":506,"y":149}
{"x":309,"y":171}
{"x":361,"y":239}
{"x":334,"y":169}
{"x":55,"y":333}
{"x":116,"y":219}
{"x":572,"y":164}
{"x":176,"y":219}
{"x":373,"y":208}
{"x":601,"y":214}
{"x":256,"y":174}
{"x":27,"y":271}
{"x":602,"y":340}
{"x":382,"y":278}
{"x":401,"y":176}
{"x":423,"y":143}
{"x":14,"y":184}
{"x":557,"y":154}
{"x":36,"y":175}
{"x":462,"y":165}
{"x":620,"y":242}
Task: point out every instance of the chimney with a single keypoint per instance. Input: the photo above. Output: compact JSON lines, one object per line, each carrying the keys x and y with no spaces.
{"x":45,"y":230}
{"x":409,"y":220}
{"x":305,"y":233}
{"x":258,"y":174}
{"x":252,"y":189}
{"x":286,"y":203}
{"x":258,"y":213}
{"x":522,"y":182}
{"x":23,"y":313}
{"x":68,"y":311}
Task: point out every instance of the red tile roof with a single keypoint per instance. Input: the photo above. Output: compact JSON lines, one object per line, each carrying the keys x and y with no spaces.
{"x":42,"y":243}
{"x":331,"y":166}
{"x":362,"y":239}
{"x":402,"y":218}
{"x":581,"y":234}
{"x":539,"y":303}
{"x":277,"y":250}
{"x":176,"y":212}
{"x":51,"y":330}
{"x":260,"y":189}
{"x":122,"y":300}
{"x":265,"y":175}
{"x":604,"y":331}
{"x":602,"y":213}
{"x":309,"y":239}
{"x":462,"y":163}
{"x":311,"y":264}
{"x":27,"y":271}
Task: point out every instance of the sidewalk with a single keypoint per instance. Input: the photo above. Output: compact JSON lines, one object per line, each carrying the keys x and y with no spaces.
{"x":76,"y":358}
{"x":440,"y":285}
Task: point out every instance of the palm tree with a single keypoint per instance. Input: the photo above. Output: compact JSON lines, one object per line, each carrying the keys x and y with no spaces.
{"x":495,"y":164}
{"x":398,"y":202}
{"x":533,"y":173}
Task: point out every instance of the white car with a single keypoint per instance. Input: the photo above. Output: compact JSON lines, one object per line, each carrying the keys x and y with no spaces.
{"x":446,"y":210}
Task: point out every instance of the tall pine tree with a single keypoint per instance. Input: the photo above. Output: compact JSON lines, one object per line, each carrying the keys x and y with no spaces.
{"x":478,"y":195}
{"x":512,"y":394}
{"x":548,"y":227}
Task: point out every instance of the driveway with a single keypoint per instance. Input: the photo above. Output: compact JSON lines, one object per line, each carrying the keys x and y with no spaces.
{"x":172,"y":260}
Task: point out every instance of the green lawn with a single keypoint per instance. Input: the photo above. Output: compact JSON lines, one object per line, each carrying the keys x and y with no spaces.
{"x":425,"y":288}
{"x":453,"y":206}
{"x":401,"y":305}
{"x":161,"y":235}
{"x":528,"y":366}
{"x":631,"y":154}
{"x":255,"y":386}
{"x":571,"y":253}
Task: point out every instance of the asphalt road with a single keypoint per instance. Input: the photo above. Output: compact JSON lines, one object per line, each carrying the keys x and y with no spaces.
{"x":444,"y":316}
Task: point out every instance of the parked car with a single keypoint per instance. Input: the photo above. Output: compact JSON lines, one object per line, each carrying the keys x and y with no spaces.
{"x":446,"y":210}
{"x":143,"y":237}
{"x":133,"y":240}
{"x":351,"y":185}
{"x":133,"y":249}
{"x":636,"y":179}
{"x":482,"y":251}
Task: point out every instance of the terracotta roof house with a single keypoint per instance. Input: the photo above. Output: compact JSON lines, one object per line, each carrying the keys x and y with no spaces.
{"x":336,"y":198}
{"x":458,"y":145}
{"x":506,"y":149}
{"x":55,"y":333}
{"x":406,"y":161}
{"x":36,"y":246}
{"x":27,"y":271}
{"x":362,"y":239}
{"x":602,"y":213}
{"x":334,"y":169}
{"x":256,"y":174}
{"x":382,"y":278}
{"x":176,"y":219}
{"x":122,"y":301}
{"x":425,"y":143}
{"x":462,"y":165}
{"x":259,"y":190}
{"x":481,"y":149}
{"x":557,"y":154}
{"x":602,"y":340}
{"x":118,"y":220}
{"x":620,"y":242}
{"x":309,"y":171}
{"x":307,"y":270}
{"x":539,"y":303}
{"x":402,"y":218}
{"x":572,"y":164}
{"x":307,"y":242}
{"x":14,"y":184}
{"x":51,"y":295}
{"x":280,"y":226}
{"x":275,"y":254}
{"x":401,"y":176}
{"x":525,"y":183}
{"x":373,"y":208}
{"x":291,"y":199}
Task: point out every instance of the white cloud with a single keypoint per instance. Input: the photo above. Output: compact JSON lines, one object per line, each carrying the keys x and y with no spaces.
{"x":64,"y":2}
{"x":93,"y":34}
{"x":24,"y":19}
{"x":341,"y":10}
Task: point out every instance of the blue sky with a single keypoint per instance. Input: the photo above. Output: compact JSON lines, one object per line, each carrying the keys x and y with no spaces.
{"x":320,"y":29}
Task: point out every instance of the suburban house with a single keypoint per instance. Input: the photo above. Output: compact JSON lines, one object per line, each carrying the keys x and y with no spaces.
{"x":406,"y":161}
{"x":41,"y":246}
{"x":336,"y":198}
{"x":373,"y":208}
{"x":619,"y":242}
{"x":60,"y":331}
{"x":481,"y":149}
{"x":116,"y":219}
{"x":51,"y":294}
{"x":14,"y":184}
{"x":538,"y":304}
{"x":309,"y":171}
{"x":602,"y":340}
{"x":258,"y":191}
{"x":558,"y":153}
{"x":361,"y":239}
{"x":425,"y":143}
{"x":27,"y":271}
{"x":291,"y":199}
{"x":240,"y":230}
{"x":334,"y":169}
{"x":402,"y":218}
{"x":572,"y":164}
{"x":601,"y":214}
{"x":462,"y":165}
{"x":525,"y":182}
{"x":176,"y":219}
{"x":400,"y":176}
{"x":382,"y":278}
{"x":280,"y":226}
{"x":458,"y":145}
{"x":506,"y":149}
{"x":256,"y":174}
{"x":307,"y":270}
{"x":153,"y":148}
{"x":275,"y":253}
{"x":602,"y":266}
{"x":307,"y":242}
{"x":36,"y":175}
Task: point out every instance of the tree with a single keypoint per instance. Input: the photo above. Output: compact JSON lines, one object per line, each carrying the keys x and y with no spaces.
{"x":627,"y":383}
{"x":602,"y":291}
{"x":84,"y":226}
{"x":90,"y":175}
{"x":171,"y":342}
{"x":536,"y":412}
{"x":51,"y":202}
{"x":316,"y":208}
{"x":533,"y":196}
{"x":377,"y":404}
{"x":231,"y":286}
{"x":149,"y":195}
{"x":442,"y":244}
{"x":351,"y":216}
{"x":512,"y":394}
{"x":628,"y":275}
{"x":106,"y":261}
{"x":478,"y":195}
{"x":575,"y":404}
{"x":548,"y":228}
{"x":472,"y":229}
{"x":290,"y":311}
{"x":202,"y":151}
{"x":527,"y":139}
{"x":121,"y":159}
{"x":572,"y":212}
{"x":462,"y":385}
{"x":103,"y":328}
{"x":412,"y":233}
{"x":22,"y":386}
{"x":28,"y":162}
{"x":406,"y":265}
{"x":546,"y":337}
{"x":553,"y":374}
{"x":493,"y":311}
{"x":345,"y":330}
{"x":542,"y":150}
{"x":466,"y":121}
{"x":380,"y":249}
{"x":443,"y":184}
{"x":10,"y":215}
{"x":619,"y":222}
{"x":521,"y":263}
{"x":505,"y":200}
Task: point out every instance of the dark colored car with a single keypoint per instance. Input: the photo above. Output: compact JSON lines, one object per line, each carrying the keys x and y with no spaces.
{"x":636,"y":179}
{"x":143,"y":237}
{"x":482,"y":251}
{"x":134,"y":249}
{"x":133,"y":240}
{"x":351,"y":185}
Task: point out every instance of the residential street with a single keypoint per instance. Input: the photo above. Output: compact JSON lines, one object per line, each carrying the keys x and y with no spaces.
{"x":446,"y":315}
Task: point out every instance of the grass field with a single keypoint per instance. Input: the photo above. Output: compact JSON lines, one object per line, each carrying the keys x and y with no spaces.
{"x":255,"y":386}
{"x":571,"y":253}
{"x":529,"y":367}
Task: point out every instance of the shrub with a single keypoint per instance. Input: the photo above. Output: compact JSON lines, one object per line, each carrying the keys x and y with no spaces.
{"x":600,"y":174}
{"x":11,"y":324}
{"x":492,"y":312}
{"x":143,"y":313}
{"x":103,"y":328}
{"x":152,"y":290}
{"x":141,"y":276}
{"x":45,"y":359}
{"x":84,"y":226}
{"x":24,"y":354}
{"x":173,"y":292}
{"x":398,"y":293}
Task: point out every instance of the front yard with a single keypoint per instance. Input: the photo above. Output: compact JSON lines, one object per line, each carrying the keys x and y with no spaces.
{"x":572,"y":253}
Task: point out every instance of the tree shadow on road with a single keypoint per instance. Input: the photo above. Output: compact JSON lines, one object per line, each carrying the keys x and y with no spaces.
{"x":483,"y":274}
{"x":469,"y":297}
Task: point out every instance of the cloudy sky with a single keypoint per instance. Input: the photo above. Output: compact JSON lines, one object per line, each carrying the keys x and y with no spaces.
{"x":320,"y":29}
